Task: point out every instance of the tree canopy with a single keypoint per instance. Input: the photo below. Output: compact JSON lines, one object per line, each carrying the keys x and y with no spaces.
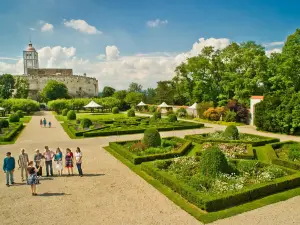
{"x":108,"y":91}
{"x":54,"y":90}
{"x":7,"y":83}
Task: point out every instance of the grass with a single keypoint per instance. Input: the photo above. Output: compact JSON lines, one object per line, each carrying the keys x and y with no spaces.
{"x":219,"y":122}
{"x":192,"y":209}
{"x":25,"y":119}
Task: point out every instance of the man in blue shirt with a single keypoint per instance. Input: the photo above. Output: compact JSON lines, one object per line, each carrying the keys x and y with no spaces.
{"x":8,"y":168}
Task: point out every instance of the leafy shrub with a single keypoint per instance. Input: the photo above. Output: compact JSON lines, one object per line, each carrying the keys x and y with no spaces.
{"x":156,"y":115}
{"x":169,"y":112}
{"x":115,"y":110}
{"x":167,"y":143}
{"x":250,"y":167}
{"x":86,"y":123}
{"x":152,"y":138}
{"x":172,"y":118}
{"x":230,"y":116}
{"x":213,"y":162}
{"x":65,"y":112}
{"x":181,"y":113}
{"x":20,"y":113}
{"x":202,"y":107}
{"x":232,"y":133}
{"x":200,"y":182}
{"x":211,"y":114}
{"x":4,"y":123}
{"x":14,"y":118}
{"x":162,"y":164}
{"x":242,"y":113}
{"x":71,"y":115}
{"x":294,"y":152}
{"x":130,"y":113}
{"x":152,"y":108}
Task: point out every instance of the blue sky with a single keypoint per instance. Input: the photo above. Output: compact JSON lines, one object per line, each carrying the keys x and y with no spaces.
{"x":123,"y":24}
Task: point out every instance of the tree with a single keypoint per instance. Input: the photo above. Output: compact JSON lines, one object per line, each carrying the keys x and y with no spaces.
{"x":6,"y":85}
{"x":135,"y":87}
{"x":22,"y":87}
{"x":121,"y":95}
{"x":150,"y":96}
{"x":165,"y":92}
{"x":108,"y":91}
{"x":133,"y":98}
{"x":54,"y":90}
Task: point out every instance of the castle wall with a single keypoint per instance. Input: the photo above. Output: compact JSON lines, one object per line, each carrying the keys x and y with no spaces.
{"x":49,"y":71}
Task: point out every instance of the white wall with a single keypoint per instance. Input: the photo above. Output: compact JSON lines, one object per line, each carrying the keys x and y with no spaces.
{"x":252,"y":103}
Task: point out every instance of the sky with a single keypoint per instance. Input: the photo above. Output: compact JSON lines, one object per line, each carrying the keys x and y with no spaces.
{"x":120,"y":42}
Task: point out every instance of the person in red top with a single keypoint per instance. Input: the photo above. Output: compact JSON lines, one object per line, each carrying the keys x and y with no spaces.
{"x":69,"y":161}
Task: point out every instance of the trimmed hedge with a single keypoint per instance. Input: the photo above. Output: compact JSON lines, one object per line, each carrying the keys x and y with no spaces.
{"x":285,"y":163}
{"x":115,"y":110}
{"x":14,"y":118}
{"x":20,"y":113}
{"x":116,"y":146}
{"x":210,"y":203}
{"x":10,"y":136}
{"x":4,"y":123}
{"x":131,"y":113}
{"x":65,"y":112}
{"x":199,"y":140}
{"x":81,"y":133}
{"x":250,"y":153}
{"x":152,"y":138}
{"x":71,"y":115}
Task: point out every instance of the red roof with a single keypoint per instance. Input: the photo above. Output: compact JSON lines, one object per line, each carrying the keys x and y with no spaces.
{"x":257,"y":97}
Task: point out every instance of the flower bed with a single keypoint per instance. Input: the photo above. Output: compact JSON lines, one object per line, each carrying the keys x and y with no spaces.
{"x":255,"y":140}
{"x":251,"y":180}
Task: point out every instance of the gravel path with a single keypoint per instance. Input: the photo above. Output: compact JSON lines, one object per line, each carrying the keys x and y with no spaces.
{"x":109,"y":194}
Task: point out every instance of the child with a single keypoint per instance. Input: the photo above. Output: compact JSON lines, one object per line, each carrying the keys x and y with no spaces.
{"x":41,"y":123}
{"x":49,"y":124}
{"x":32,"y":178}
{"x":9,"y":167}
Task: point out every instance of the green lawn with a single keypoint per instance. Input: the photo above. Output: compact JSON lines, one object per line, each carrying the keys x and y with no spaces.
{"x":25,"y":119}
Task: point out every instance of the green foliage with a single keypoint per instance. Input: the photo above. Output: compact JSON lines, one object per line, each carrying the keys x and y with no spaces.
{"x":86,"y":123}
{"x":294,"y":153}
{"x":4,"y":123}
{"x":22,"y":87}
{"x":71,"y":115}
{"x":115,"y":110}
{"x":182,"y":113}
{"x":172,"y":118}
{"x":213,"y":162}
{"x":14,"y":118}
{"x":230,"y":116}
{"x":58,"y":105}
{"x":156,"y":115}
{"x":26,"y":105}
{"x":108,"y":91}
{"x":202,"y":107}
{"x":212,"y":114}
{"x":133,"y":98}
{"x":169,"y":112}
{"x":232,"y":133}
{"x":54,"y":90}
{"x":165,"y":92}
{"x":20,"y":113}
{"x":135,"y":87}
{"x":7,"y":83}
{"x":152,"y":138}
{"x":152,"y":108}
{"x":65,"y":112}
{"x":131,"y":113}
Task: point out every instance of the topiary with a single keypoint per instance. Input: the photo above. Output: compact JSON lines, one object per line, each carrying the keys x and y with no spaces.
{"x":181,"y":112}
{"x":172,"y":118}
{"x":20,"y":113}
{"x":71,"y":115}
{"x":156,"y":115}
{"x":86,"y":123}
{"x":65,"y":112}
{"x":14,"y":118}
{"x":4,"y":123}
{"x":152,"y":138}
{"x":130,"y":113}
{"x":115,"y":110}
{"x":213,"y":162}
{"x":232,"y":133}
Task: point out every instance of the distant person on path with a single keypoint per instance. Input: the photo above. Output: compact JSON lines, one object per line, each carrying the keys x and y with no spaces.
{"x":8,"y":168}
{"x":41,"y":123}
{"x":58,"y":161}
{"x":78,"y":159}
{"x":33,"y":179}
{"x":38,"y":157}
{"x":45,"y":122}
{"x":49,"y":124}
{"x":69,"y":161}
{"x":23,"y":163}
{"x":48,"y":160}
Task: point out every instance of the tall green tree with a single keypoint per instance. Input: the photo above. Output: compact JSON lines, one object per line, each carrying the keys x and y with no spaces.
{"x":133,"y":98}
{"x":150,"y":96}
{"x":108,"y":91}
{"x":6,"y":86}
{"x":54,"y":90}
{"x":21,"y":87}
{"x":165,"y":92}
{"x":135,"y":87}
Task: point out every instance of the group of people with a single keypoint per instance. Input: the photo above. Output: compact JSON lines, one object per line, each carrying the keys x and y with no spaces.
{"x":44,"y":122}
{"x":33,"y":170}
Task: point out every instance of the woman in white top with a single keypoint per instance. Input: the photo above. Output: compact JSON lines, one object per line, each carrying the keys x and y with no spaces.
{"x":78,"y":159}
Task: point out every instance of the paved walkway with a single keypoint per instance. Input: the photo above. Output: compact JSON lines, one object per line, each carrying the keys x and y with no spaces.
{"x":110,"y":193}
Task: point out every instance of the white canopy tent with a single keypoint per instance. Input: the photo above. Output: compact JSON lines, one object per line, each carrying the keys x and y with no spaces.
{"x":2,"y":110}
{"x":164,"y":105}
{"x":92,"y":105}
{"x":193,"y":107}
{"x":141,"y":104}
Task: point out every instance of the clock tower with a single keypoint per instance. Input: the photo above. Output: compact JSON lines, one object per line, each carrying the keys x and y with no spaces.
{"x":30,"y":58}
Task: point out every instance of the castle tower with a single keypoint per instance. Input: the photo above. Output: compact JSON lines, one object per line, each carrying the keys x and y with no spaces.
{"x":30,"y":58}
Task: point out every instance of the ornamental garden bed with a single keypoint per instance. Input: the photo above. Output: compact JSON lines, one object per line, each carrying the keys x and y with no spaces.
{"x":8,"y":135}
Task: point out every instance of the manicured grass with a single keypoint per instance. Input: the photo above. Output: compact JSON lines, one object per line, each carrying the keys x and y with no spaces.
{"x":25,"y":119}
{"x":196,"y":212}
{"x":219,"y":122}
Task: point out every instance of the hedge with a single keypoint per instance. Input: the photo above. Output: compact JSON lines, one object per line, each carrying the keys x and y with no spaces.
{"x":210,"y":203}
{"x":139,"y":159}
{"x":10,"y":136}
{"x":197,"y":139}
{"x":280,"y":144}
{"x":250,"y":153}
{"x":285,"y":163}
{"x":81,"y":133}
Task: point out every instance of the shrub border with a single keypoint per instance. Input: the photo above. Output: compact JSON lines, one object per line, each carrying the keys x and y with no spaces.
{"x":139,"y":159}
{"x":12,"y":134}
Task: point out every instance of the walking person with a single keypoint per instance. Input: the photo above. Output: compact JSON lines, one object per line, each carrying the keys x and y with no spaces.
{"x":32,"y":179}
{"x":69,"y":161}
{"x":23,"y":163}
{"x":58,"y":161}
{"x":45,"y":122}
{"x":38,"y":157}
{"x":78,"y":159}
{"x":48,"y":155}
{"x":49,"y":124}
{"x":41,"y":123}
{"x":8,"y":168}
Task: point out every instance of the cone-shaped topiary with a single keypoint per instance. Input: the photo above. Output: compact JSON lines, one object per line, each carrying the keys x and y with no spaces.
{"x":14,"y":118}
{"x":152,"y":138}
{"x":232,"y":133}
{"x":213,"y":162}
{"x":65,"y":112}
{"x":156,"y":115}
{"x":115,"y":110}
{"x":20,"y":113}
{"x":71,"y":115}
{"x":131,"y":113}
{"x":172,"y":118}
{"x":86,"y":123}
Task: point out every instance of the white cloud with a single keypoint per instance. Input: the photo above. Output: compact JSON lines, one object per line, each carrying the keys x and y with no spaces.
{"x":274,"y":50}
{"x":82,"y":26}
{"x":31,"y":28}
{"x":156,"y":23}
{"x":272,"y":44}
{"x":8,"y":58}
{"x":47,"y":27}
{"x":112,"y":52}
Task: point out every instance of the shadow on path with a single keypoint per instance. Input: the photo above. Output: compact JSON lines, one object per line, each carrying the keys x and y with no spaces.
{"x":47,"y":194}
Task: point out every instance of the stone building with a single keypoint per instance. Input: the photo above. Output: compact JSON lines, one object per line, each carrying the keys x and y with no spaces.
{"x":78,"y":86}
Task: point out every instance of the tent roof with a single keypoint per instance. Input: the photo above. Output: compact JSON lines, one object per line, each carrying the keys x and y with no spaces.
{"x":194,"y":106}
{"x":141,"y":104}
{"x":164,"y":105}
{"x":92,"y":104}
